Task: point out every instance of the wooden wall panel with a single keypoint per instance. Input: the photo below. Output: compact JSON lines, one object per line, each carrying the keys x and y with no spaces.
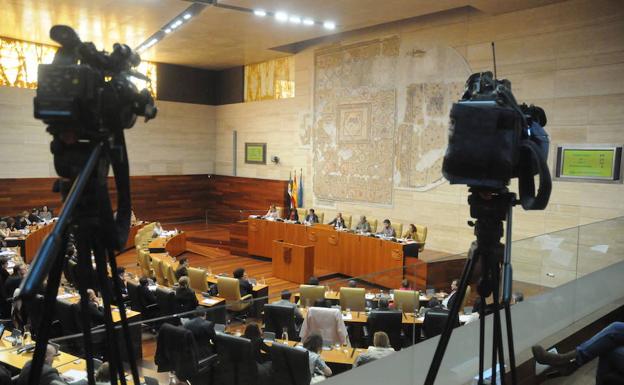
{"x":165,"y":198}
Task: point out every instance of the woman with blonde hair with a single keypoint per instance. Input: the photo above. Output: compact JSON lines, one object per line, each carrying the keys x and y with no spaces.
{"x":381,"y":348}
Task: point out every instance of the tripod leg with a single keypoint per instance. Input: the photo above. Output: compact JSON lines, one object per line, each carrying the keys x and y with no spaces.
{"x":114,"y":356}
{"x":124,"y":321}
{"x":453,"y":314}
{"x":498,"y":340}
{"x":84,"y":278}
{"x":510,"y":343}
{"x":49,"y":304}
{"x":481,"y":338}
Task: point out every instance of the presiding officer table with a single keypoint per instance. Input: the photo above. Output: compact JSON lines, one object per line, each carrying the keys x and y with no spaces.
{"x":336,"y":251}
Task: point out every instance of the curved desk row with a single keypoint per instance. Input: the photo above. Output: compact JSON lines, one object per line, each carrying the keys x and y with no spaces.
{"x":29,"y":244}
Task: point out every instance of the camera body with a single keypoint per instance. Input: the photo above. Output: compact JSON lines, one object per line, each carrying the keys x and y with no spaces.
{"x":492,"y":139}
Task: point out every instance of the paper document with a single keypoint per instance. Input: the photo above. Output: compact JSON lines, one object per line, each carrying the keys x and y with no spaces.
{"x":209,"y":301}
{"x":74,"y":375}
{"x":347,"y":316}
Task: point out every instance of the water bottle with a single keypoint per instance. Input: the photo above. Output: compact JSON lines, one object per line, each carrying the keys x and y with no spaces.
{"x":285,"y":335}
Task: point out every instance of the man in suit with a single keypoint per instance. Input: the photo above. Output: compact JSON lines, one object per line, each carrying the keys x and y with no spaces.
{"x":182,"y":270}
{"x":448,"y":301}
{"x":338,"y":222}
{"x":48,"y":373}
{"x":311,"y":217}
{"x":33,"y":217}
{"x":95,"y":310}
{"x":245,"y":286}
{"x":146,"y":296}
{"x":285,"y":301}
{"x":15,"y":280}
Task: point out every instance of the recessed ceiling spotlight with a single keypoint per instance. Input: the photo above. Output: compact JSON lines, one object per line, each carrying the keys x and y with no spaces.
{"x":168,"y":30}
{"x":295,"y":19}
{"x":329,"y":25}
{"x":281,"y":16}
{"x":260,"y":12}
{"x":308,"y":21}
{"x":187,"y":16}
{"x":176,"y":24}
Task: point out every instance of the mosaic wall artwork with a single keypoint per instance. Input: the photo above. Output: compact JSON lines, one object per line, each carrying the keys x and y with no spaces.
{"x":381,"y":117}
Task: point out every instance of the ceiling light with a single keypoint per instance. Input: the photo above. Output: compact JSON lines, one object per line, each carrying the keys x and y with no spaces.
{"x":187,"y":16}
{"x":168,"y":30}
{"x":281,"y":16}
{"x":295,"y":19}
{"x":176,"y":24}
{"x":308,"y":21}
{"x":329,"y":25}
{"x":259,"y":12}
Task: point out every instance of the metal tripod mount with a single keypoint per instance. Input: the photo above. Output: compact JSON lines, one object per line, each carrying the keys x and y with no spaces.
{"x":85,"y":213}
{"x":490,"y":208}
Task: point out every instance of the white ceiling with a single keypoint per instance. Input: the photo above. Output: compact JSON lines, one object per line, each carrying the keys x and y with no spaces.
{"x":217,"y":38}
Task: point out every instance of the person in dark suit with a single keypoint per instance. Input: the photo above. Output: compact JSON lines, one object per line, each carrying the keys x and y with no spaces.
{"x":33,"y":217}
{"x":185,"y":296}
{"x":314,"y":281}
{"x":182,"y":271}
{"x":20,"y":223}
{"x":4,"y":272}
{"x":48,"y":373}
{"x":245,"y":286}
{"x":448,"y":301}
{"x":15,"y":280}
{"x":338,"y":222}
{"x":204,"y":334}
{"x":121,"y":273}
{"x":311,"y":217}
{"x":95,"y":310}
{"x":146,"y":297}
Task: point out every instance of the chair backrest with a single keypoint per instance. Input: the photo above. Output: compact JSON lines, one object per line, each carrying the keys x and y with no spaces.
{"x":165,"y":298}
{"x":386,"y":321}
{"x":169,"y":274}
{"x":157,"y":266}
{"x":310,"y":293}
{"x":144,"y":235}
{"x":144,"y":263}
{"x":278,"y":317}
{"x":407,"y":300}
{"x":373,"y":224}
{"x":133,"y":294}
{"x":353,"y":298}
{"x":176,"y":351}
{"x":421,"y":235}
{"x":237,"y":361}
{"x":302,"y":214}
{"x":348,"y":219}
{"x":198,"y":279}
{"x":229,"y":288}
{"x":434,"y":322}
{"x":150,"y":380}
{"x":398,"y":229}
{"x":321,"y":217}
{"x":65,"y":314}
{"x":290,"y":365}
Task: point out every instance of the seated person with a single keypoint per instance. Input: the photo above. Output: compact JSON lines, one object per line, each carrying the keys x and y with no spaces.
{"x":607,"y":345}
{"x":314,"y":345}
{"x":146,"y":298}
{"x":4,"y":272}
{"x":338,"y":222}
{"x":405,"y":285}
{"x":311,"y":217}
{"x":95,"y":309}
{"x":33,"y":217}
{"x":448,"y":301}
{"x":363,"y":226}
{"x":352,"y":283}
{"x":245,"y":286}
{"x":15,"y":280}
{"x":11,"y":223}
{"x":185,"y":297}
{"x":285,"y":301}
{"x":121,"y":273}
{"x":253,"y":333}
{"x":381,"y":348}
{"x":48,"y":373}
{"x":314,"y":281}
{"x":182,"y":270}
{"x":293,"y":216}
{"x":45,"y":214}
{"x":272,"y":213}
{"x":411,"y":233}
{"x":387,"y":230}
{"x":4,"y":230}
{"x":20,"y":222}
{"x":102,"y":374}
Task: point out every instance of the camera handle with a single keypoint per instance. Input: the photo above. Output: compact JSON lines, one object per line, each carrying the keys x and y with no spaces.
{"x":490,"y":210}
{"x":529,"y":155}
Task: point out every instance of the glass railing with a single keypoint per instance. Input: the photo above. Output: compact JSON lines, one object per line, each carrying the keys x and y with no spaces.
{"x":564,"y":277}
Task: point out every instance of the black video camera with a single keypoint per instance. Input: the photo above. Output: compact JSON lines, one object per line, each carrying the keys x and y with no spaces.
{"x":492,"y":139}
{"x":88,"y":92}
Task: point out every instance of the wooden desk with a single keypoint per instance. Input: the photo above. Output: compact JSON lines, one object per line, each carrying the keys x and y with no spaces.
{"x":75,"y":298}
{"x":175,"y":245}
{"x":336,"y":251}
{"x":360,"y":317}
{"x":9,"y":356}
{"x":81,"y":366}
{"x":292,"y":262}
{"x":29,"y":244}
{"x":341,"y":356}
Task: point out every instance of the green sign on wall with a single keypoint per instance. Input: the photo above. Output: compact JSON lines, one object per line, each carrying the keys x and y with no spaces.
{"x":255,"y":153}
{"x":588,"y":163}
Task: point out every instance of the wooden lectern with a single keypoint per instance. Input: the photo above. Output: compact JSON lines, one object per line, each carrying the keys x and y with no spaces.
{"x":292,"y":262}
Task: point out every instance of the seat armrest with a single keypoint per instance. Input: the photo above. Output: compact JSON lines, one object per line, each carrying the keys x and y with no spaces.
{"x":246,"y":297}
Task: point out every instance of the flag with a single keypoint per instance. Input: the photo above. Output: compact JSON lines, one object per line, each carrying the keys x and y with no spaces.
{"x":290,"y":191}
{"x":294,"y":192}
{"x":300,"y":190}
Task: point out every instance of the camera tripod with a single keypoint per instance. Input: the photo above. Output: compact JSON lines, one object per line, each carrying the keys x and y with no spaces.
{"x":490,"y":208}
{"x":87,"y":213}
